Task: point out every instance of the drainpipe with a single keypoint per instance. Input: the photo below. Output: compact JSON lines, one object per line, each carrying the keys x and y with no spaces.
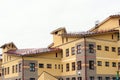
{"x":22,"y":68}
{"x":85,"y":58}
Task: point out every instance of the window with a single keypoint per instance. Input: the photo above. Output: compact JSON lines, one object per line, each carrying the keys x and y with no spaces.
{"x":73,"y":66}
{"x":32,"y":67}
{"x":55,"y":66}
{"x":112,"y":36}
{"x":61,"y":68}
{"x":119,"y":22}
{"x":98,"y":47}
{"x":2,"y":71}
{"x":91,"y":77}
{"x":49,"y":65}
{"x":106,"y":48}
{"x":67,"y":67}
{"x":73,"y":78}
{"x":73,"y":50}
{"x":99,"y":63}
{"x":99,"y":78}
{"x":118,"y":50}
{"x":12,"y":69}
{"x":32,"y":78}
{"x":8,"y":70}
{"x":118,"y":65}
{"x":67,"y":78}
{"x":79,"y":78}
{"x":113,"y":64}
{"x":41,"y":65}
{"x":113,"y":49}
{"x":91,"y":65}
{"x":5,"y":71}
{"x":114,"y":78}
{"x":20,"y":67}
{"x":91,"y":48}
{"x":67,"y":52}
{"x":16,"y":68}
{"x":78,"y":49}
{"x":79,"y":67}
{"x":107,"y":78}
{"x":56,"y":55}
{"x":107,"y":64}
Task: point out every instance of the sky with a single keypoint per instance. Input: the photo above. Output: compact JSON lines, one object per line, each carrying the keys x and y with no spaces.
{"x":28,"y":23}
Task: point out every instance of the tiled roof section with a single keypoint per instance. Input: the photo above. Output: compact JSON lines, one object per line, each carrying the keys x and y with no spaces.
{"x":23,"y":52}
{"x":84,"y":34}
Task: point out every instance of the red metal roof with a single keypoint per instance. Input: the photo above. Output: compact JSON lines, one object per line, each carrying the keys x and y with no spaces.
{"x":82,"y":34}
{"x":23,"y":52}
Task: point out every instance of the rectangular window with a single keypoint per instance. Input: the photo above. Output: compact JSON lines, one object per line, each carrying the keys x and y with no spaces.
{"x":91,"y":65}
{"x":118,"y":65}
{"x":67,"y":78}
{"x":73,"y":66}
{"x":79,"y":78}
{"x":67,"y":52}
{"x":5,"y":71}
{"x":32,"y":78}
{"x":55,"y":66}
{"x":16,"y":68}
{"x":61,"y":68}
{"x":106,"y":48}
{"x":99,"y":78}
{"x":32,"y":67}
{"x":118,"y":50}
{"x":73,"y":78}
{"x":107,"y":78}
{"x":8,"y":70}
{"x":78,"y":49}
{"x":98,"y":47}
{"x":113,"y":49}
{"x":67,"y":67}
{"x":73,"y":50}
{"x":113,"y":64}
{"x":91,"y":48}
{"x":79,"y":66}
{"x":2,"y":71}
{"x":91,"y":77}
{"x":107,"y":64}
{"x":41,"y":65}
{"x":12,"y":69}
{"x":20,"y":67}
{"x":49,"y":65}
{"x":99,"y":63}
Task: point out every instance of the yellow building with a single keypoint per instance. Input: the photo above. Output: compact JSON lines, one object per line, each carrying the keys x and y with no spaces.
{"x":91,"y":55}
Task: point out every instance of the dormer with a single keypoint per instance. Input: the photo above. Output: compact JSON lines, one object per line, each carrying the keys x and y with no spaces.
{"x":57,"y":39}
{"x":8,"y":46}
{"x":110,"y":23}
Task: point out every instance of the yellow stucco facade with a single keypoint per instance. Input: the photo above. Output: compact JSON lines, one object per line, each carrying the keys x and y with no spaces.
{"x":91,"y":55}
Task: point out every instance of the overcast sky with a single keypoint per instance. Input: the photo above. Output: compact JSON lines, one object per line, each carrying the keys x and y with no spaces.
{"x":28,"y":23}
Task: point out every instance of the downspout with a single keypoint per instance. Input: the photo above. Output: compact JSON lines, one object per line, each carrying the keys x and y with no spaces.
{"x":85,"y":58}
{"x":22,"y":68}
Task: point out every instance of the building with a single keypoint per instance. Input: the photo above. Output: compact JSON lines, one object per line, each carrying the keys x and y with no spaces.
{"x":91,"y":55}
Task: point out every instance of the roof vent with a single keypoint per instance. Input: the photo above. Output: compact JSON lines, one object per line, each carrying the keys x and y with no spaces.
{"x":96,"y":23}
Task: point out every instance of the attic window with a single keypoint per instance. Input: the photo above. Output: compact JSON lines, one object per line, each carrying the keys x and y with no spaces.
{"x":56,"y":32}
{"x":119,"y":22}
